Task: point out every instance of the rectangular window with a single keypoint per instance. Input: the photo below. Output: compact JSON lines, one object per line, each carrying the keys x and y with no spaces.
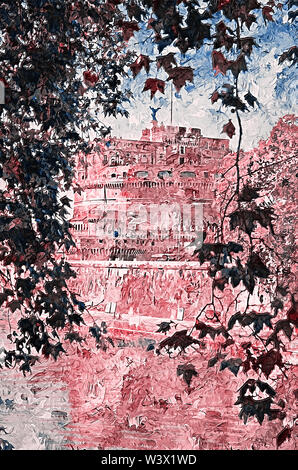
{"x":110,"y":307}
{"x":180,"y":313}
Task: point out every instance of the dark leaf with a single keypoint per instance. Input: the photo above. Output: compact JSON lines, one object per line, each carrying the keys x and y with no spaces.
{"x":166,"y":61}
{"x":179,"y":76}
{"x":229,"y":129}
{"x":187,"y":371}
{"x":251,"y":99}
{"x":232,"y":364}
{"x":283,"y":435}
{"x":164,"y":327}
{"x":143,"y":61}
{"x":219,"y":63}
{"x":154,"y":85}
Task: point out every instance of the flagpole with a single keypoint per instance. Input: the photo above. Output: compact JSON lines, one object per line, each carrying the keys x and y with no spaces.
{"x":171,"y":103}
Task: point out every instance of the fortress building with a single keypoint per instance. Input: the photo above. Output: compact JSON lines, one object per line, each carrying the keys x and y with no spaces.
{"x":141,"y":210}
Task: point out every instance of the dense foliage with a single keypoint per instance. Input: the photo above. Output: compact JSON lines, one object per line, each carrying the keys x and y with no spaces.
{"x":58,"y":58}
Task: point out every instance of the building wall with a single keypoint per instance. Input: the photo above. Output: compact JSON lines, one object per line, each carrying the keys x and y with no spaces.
{"x":139,"y":272}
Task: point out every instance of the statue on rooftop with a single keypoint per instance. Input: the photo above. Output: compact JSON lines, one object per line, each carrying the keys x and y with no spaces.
{"x":154,"y":111}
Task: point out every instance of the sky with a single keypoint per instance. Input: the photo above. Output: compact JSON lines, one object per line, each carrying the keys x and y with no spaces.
{"x":274,"y":85}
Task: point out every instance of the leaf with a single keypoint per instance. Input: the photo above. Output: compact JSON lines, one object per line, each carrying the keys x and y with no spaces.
{"x":179,"y":76}
{"x":253,"y":407}
{"x":214,"y":97}
{"x":283,"y":435}
{"x":267,"y":12}
{"x":256,"y":265}
{"x":143,"y":61}
{"x":187,"y":371}
{"x":238,"y":65}
{"x":14,"y":305}
{"x":284,"y":325}
{"x":292,"y":314}
{"x":229,"y":129}
{"x":90,"y":78}
{"x":166,"y":61}
{"x":95,"y":331}
{"x":257,"y":319}
{"x":248,"y":194}
{"x":229,"y":99}
{"x":3,"y":298}
{"x":76,"y":318}
{"x":267,"y":362}
{"x":215,"y":359}
{"x":222,"y":39}
{"x":154,"y":85}
{"x":180,"y":340}
{"x":219,"y":63}
{"x":128,"y":29}
{"x":232,"y":364}
{"x":245,"y":219}
{"x":135,"y":11}
{"x":74,"y":336}
{"x":291,"y":55}
{"x":247,"y":45}
{"x":209,"y":330}
{"x":52,"y":350}
{"x":251,"y":99}
{"x":164,"y":327}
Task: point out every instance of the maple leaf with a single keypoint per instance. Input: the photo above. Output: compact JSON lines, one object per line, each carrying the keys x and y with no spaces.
{"x":166,"y":61}
{"x":154,"y":85}
{"x":215,"y":359}
{"x":209,"y":330}
{"x":248,"y":194}
{"x":180,"y":339}
{"x":135,"y":11}
{"x":229,"y":129}
{"x":247,"y":45}
{"x":267,"y":362}
{"x":251,"y":99}
{"x":219,"y":63}
{"x":256,"y":265}
{"x":214,"y":97}
{"x":245,"y":219}
{"x":128,"y":29}
{"x":187,"y":371}
{"x":249,"y":20}
{"x":291,"y":54}
{"x":253,"y":407}
{"x":283,"y":435}
{"x":232,"y":364}
{"x":164,"y":327}
{"x":90,"y":78}
{"x":238,"y":65}
{"x":74,"y":336}
{"x":222,"y":38}
{"x":180,"y":75}
{"x":142,"y":61}
{"x":267,"y":13}
{"x":14,"y":305}
{"x":292,"y":314}
{"x":258,"y":320}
